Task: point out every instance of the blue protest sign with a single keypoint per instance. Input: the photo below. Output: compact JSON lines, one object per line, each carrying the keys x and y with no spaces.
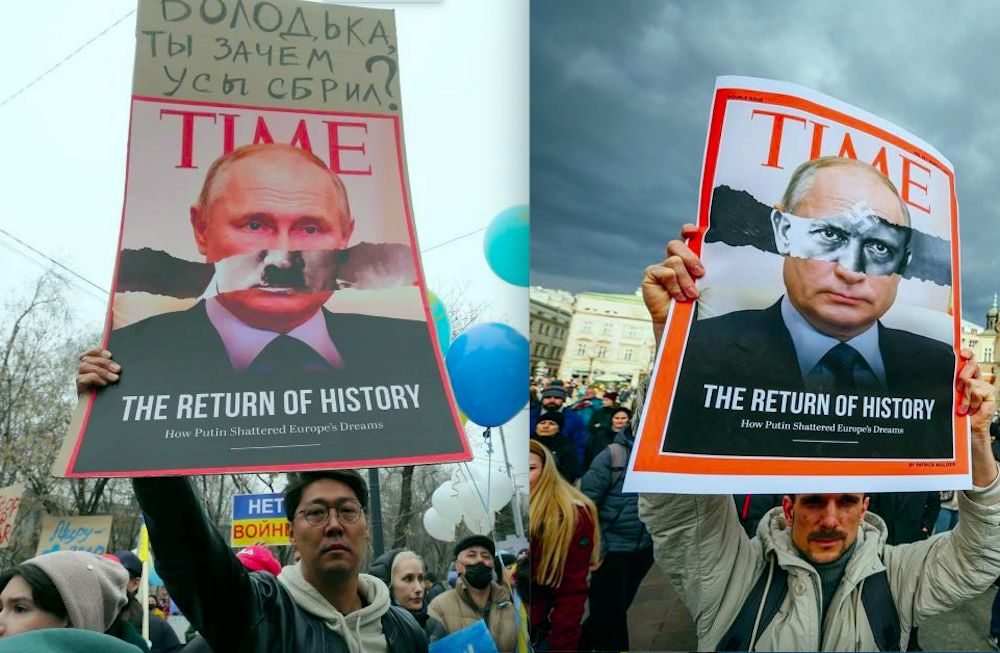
{"x":474,"y":639}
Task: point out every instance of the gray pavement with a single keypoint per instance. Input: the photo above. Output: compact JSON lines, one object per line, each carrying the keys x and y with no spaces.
{"x":658,"y":621}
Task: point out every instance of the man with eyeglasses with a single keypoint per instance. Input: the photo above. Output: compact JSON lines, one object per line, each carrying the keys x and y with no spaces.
{"x":323,"y":603}
{"x":845,"y":235}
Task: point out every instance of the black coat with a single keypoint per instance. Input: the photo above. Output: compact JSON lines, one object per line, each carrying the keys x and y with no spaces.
{"x":596,"y":443}
{"x":564,"y":451}
{"x":235,"y":610}
{"x":906,"y":514}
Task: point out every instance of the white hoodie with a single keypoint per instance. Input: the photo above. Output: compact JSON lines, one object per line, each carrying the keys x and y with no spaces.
{"x":362,"y":629}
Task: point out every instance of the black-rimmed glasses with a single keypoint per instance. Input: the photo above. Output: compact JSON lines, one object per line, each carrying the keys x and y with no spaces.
{"x":348,"y":512}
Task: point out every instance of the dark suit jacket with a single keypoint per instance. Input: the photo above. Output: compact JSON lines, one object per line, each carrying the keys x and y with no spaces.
{"x":181,"y":352}
{"x":753,"y":349}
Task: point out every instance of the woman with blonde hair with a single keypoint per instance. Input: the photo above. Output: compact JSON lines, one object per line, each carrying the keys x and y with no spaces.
{"x":564,"y":546}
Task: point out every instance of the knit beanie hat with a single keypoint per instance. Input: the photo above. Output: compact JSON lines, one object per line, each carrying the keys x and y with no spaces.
{"x":91,"y":587}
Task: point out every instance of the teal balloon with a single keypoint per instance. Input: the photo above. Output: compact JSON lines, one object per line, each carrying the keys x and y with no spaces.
{"x":486,"y":365}
{"x":441,"y":322}
{"x":506,"y":245}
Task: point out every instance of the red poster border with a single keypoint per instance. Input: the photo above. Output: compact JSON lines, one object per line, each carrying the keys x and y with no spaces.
{"x":458,"y":456}
{"x":650,"y":457}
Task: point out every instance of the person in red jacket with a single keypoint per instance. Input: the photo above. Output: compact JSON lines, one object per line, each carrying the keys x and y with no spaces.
{"x":564,"y":547}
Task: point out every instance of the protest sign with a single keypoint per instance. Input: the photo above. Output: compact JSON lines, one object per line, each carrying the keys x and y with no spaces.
{"x":10,"y":501}
{"x":269,"y":308}
{"x":74,"y":534}
{"x":258,"y":519}
{"x":471,"y":639}
{"x":823,"y":346}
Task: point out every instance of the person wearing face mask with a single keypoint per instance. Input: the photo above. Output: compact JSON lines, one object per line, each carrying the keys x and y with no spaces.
{"x":476,"y":596}
{"x":617,"y":422}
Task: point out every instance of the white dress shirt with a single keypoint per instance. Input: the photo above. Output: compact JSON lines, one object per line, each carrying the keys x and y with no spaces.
{"x":244,"y":343}
{"x":811,"y":345}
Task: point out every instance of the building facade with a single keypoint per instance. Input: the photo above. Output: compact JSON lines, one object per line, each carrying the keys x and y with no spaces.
{"x":549,"y":326}
{"x":984,"y":341}
{"x":610,"y":339}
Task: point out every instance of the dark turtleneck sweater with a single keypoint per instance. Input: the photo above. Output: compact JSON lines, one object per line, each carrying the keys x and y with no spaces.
{"x":830,"y":575}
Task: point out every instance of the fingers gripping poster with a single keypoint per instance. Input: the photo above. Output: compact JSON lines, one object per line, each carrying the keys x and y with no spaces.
{"x":269,"y":310}
{"x":821,"y":355}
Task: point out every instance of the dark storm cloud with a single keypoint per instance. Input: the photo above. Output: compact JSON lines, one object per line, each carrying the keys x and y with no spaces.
{"x":620,"y":96}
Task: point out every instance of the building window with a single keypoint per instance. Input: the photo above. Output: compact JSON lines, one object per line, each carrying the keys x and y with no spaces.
{"x":586,"y":326}
{"x":988,"y":355}
{"x":581,"y":349}
{"x":627,"y":354}
{"x":633,"y":332}
{"x":606,"y":331}
{"x":602,"y":351}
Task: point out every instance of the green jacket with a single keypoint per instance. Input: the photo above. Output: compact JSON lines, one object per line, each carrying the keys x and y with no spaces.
{"x":61,"y":640}
{"x":699,"y":544}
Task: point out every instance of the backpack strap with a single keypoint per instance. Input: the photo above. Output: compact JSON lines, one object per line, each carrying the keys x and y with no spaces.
{"x":881,"y":610}
{"x":618,"y":461}
{"x":758,"y":610}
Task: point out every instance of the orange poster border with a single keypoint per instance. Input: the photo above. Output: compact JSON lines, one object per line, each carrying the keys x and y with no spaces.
{"x":650,"y":458}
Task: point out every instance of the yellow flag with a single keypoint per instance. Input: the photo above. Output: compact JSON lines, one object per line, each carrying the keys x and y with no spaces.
{"x":143,"y":544}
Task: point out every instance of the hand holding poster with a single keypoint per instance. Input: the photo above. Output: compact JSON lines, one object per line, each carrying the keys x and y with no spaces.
{"x":74,"y":534}
{"x":269,"y":308}
{"x":10,"y":502}
{"x":822,"y":347}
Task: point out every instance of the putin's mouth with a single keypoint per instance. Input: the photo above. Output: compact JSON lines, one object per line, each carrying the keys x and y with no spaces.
{"x":276,"y":290}
{"x":849,"y":300}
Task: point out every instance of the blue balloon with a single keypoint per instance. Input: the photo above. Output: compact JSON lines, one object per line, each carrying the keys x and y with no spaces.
{"x":487,"y":367}
{"x":506,"y":245}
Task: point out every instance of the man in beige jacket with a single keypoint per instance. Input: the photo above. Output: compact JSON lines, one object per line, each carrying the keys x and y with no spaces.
{"x":476,"y":596}
{"x":826,"y":546}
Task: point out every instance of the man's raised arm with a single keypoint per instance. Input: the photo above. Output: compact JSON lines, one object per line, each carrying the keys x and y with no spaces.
{"x":211,"y":587}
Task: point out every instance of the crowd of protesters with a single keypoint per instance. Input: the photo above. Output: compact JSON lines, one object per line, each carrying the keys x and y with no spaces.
{"x":581,"y":439}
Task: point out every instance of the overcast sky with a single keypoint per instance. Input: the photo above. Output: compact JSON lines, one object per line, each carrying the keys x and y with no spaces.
{"x":620,"y":96}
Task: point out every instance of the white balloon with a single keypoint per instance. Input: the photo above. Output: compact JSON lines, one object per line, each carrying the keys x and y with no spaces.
{"x":469,"y":489}
{"x":479,"y":522}
{"x":438,"y":527}
{"x":501,"y":490}
{"x":445,"y":501}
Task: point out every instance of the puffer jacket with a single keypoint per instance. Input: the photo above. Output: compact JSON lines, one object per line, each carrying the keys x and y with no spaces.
{"x":234,"y":609}
{"x":699,"y":544}
{"x":618,"y":512}
{"x":454,"y":610}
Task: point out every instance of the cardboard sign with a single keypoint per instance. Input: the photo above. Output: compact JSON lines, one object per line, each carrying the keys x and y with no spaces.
{"x":269,"y":308}
{"x":258,"y":519}
{"x":10,"y":502}
{"x":90,"y":533}
{"x":821,"y":355}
